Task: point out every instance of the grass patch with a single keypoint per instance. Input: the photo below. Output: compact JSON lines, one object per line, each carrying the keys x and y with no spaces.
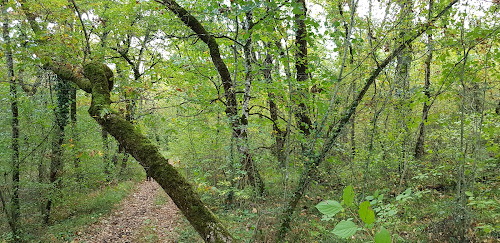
{"x":81,"y":209}
{"x":186,"y":232}
{"x":161,"y":198}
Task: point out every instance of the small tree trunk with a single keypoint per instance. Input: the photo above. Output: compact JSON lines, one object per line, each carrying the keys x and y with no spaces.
{"x":123,"y":166}
{"x":247,"y":161}
{"x":55,"y":167}
{"x":403,"y":87}
{"x":279,"y":135}
{"x":301,"y":66}
{"x":56,"y":160}
{"x":129,"y":116}
{"x":105,"y":157}
{"x":74,"y":134}
{"x":497,"y":109}
{"x":353,"y":129}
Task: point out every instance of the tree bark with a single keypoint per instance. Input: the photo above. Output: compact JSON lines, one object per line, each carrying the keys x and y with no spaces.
{"x":301,"y":66}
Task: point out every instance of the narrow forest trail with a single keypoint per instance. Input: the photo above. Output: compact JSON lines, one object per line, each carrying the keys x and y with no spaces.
{"x":147,"y":215}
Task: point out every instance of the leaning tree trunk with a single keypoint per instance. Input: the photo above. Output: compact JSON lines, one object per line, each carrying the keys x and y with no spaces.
{"x":148,"y":155}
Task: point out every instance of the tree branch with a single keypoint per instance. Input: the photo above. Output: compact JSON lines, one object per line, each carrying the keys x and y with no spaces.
{"x":86,"y":50}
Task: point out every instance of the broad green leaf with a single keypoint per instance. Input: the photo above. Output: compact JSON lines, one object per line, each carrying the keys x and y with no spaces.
{"x":329,"y":207}
{"x":348,"y":195}
{"x":383,"y":236}
{"x":297,"y":11}
{"x":366,"y":212}
{"x":345,"y":229}
{"x":404,"y":196}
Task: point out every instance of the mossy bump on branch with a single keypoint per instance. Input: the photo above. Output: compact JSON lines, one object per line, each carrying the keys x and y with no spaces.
{"x":100,"y":76}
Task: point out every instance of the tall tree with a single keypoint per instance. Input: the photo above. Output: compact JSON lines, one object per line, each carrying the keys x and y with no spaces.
{"x":419,"y":146}
{"x":15,"y":209}
{"x":61,"y":112}
{"x":227,"y":82}
{"x":402,"y":79}
{"x":301,"y":65}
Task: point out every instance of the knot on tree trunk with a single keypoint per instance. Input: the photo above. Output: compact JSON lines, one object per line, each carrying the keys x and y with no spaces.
{"x":99,"y":75}
{"x":101,"y":80}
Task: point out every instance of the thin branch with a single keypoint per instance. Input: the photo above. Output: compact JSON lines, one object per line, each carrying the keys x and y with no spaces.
{"x":229,"y":38}
{"x":86,"y":50}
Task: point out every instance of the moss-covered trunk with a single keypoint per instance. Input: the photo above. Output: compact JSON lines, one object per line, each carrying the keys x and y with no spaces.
{"x":61,"y":112}
{"x":148,"y":155}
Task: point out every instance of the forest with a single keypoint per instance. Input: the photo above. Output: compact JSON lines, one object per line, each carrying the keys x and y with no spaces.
{"x":250,"y":121}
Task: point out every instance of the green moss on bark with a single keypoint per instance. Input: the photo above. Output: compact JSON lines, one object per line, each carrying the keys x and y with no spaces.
{"x":148,"y":155}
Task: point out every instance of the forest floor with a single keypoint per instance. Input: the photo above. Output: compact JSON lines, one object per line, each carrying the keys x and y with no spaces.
{"x":147,"y":215}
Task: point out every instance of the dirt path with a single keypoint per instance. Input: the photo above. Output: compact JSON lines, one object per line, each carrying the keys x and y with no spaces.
{"x":148,"y":215}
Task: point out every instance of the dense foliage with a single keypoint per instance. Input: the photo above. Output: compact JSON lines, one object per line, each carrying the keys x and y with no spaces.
{"x":292,"y":121}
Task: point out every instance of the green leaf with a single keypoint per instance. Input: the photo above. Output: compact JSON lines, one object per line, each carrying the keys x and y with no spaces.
{"x":345,"y":229}
{"x":297,"y":11}
{"x":104,"y":112}
{"x":383,"y":236}
{"x":348,"y":195}
{"x":329,"y":207}
{"x":366,"y":212}
{"x":245,"y":36}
